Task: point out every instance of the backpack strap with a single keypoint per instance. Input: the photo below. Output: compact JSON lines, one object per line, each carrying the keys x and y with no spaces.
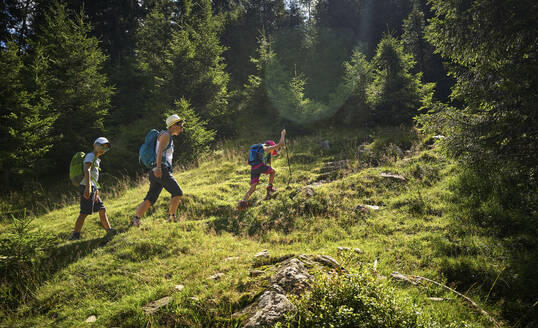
{"x":170,"y":143}
{"x":91,"y":178}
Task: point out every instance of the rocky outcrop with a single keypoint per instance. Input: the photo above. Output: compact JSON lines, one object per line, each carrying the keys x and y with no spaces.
{"x":291,"y":277}
{"x":270,"y":309}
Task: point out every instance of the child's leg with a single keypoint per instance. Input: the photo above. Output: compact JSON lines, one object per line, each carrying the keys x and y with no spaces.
{"x":80,"y":222}
{"x":104,"y":219}
{"x":272,"y":177}
{"x":251,"y":190}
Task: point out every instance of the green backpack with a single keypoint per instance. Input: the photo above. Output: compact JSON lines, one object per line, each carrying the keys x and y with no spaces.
{"x":76,"y":168}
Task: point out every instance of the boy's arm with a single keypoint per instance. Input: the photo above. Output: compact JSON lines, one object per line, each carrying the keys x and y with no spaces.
{"x":87,"y":168}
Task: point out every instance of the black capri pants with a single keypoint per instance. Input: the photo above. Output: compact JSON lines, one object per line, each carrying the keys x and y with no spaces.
{"x":167,"y":181}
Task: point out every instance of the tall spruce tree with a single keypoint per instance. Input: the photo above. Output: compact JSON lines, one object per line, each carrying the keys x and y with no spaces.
{"x":25,"y":114}
{"x":80,"y":94}
{"x":395,"y":93}
{"x":180,"y":51}
{"x":493,"y":48}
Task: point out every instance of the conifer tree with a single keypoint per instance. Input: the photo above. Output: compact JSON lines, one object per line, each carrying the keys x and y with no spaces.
{"x":80,"y":94}
{"x":25,"y":114}
{"x":395,"y":93}
{"x":493,"y":48}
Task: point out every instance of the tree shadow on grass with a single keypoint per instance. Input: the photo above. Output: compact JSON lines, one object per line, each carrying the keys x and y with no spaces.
{"x":23,"y":276}
{"x":493,"y":244}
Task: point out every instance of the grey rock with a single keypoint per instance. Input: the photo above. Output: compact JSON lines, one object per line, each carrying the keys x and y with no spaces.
{"x":270,"y":309}
{"x":91,"y":318}
{"x":278,"y":289}
{"x":306,"y":260}
{"x":366,"y":208}
{"x":392,"y":176}
{"x":156,"y":305}
{"x":325,"y":144}
{"x":358,"y":250}
{"x":343,"y":249}
{"x":179,"y":287}
{"x":328,"y":261}
{"x":292,"y":275}
{"x":308,"y":191}
{"x":216,"y":276}
{"x":262,"y":254}
{"x":233,"y":258}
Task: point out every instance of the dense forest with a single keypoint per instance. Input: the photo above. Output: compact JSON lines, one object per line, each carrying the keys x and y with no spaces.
{"x":79,"y":69}
{"x":464,"y":71}
{"x":75,"y":70}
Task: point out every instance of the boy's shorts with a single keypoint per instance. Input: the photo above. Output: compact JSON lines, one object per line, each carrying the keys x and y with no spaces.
{"x":258,"y":170}
{"x":167,"y":181}
{"x":88,"y":206}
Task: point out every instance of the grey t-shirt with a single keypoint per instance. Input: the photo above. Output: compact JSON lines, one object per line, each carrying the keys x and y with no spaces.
{"x":94,"y":170}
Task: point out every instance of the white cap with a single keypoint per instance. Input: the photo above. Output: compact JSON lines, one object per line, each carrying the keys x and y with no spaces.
{"x":101,"y":141}
{"x":172,"y":119}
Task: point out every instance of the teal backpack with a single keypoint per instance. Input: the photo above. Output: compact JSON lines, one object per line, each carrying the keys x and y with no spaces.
{"x":146,"y":153}
{"x":255,"y":154}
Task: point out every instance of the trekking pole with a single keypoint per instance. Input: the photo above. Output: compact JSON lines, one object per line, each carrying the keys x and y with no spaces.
{"x":289,"y":167}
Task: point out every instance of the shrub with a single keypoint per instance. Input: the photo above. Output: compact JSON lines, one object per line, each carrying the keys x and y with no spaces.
{"x":22,"y":252}
{"x":354,"y":300}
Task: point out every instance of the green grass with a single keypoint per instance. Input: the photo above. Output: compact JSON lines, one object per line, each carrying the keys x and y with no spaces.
{"x":414,"y":232}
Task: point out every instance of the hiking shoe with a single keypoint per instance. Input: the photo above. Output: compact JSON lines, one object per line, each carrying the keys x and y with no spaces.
{"x":270,"y":190}
{"x":135,"y":222}
{"x":242,"y":205}
{"x":172,"y":218}
{"x":75,"y":236}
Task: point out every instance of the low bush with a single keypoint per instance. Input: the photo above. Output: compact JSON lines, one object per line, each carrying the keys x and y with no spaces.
{"x":22,"y":254}
{"x":357,"y":299}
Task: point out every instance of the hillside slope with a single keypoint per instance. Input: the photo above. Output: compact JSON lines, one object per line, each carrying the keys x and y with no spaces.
{"x":405,"y":227}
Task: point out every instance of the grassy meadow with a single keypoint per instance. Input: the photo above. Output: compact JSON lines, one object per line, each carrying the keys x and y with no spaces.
{"x":417,"y":230}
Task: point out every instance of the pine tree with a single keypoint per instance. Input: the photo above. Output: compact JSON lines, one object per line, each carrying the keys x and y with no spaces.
{"x":493,"y":48}
{"x":395,"y":93}
{"x":413,"y":39}
{"x":80,"y":95}
{"x":25,"y":115}
{"x":358,"y":75}
{"x":182,"y":57}
{"x":427,"y":63}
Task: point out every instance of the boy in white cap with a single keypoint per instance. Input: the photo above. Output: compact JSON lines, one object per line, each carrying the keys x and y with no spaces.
{"x":160,"y":176}
{"x":89,"y":188}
